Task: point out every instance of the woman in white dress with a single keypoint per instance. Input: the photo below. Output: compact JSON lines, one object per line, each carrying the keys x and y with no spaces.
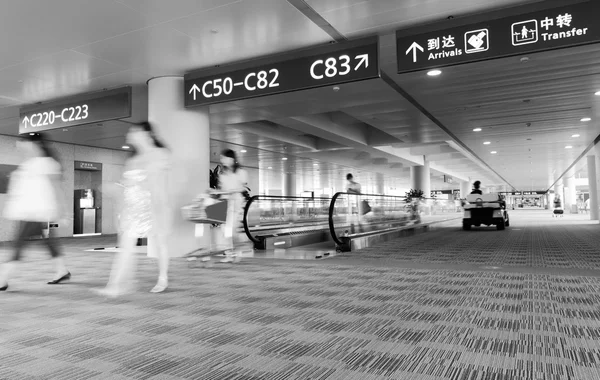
{"x":35,"y":197}
{"x":145,"y":210}
{"x":232,"y":183}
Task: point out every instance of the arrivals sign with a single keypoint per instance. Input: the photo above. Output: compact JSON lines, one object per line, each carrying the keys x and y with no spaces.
{"x":555,"y":28}
{"x":322,"y":66}
{"x":82,"y":109}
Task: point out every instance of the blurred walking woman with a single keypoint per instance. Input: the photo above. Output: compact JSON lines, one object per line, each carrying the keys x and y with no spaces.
{"x":232,"y":183}
{"x":35,"y":197}
{"x":145,"y":210}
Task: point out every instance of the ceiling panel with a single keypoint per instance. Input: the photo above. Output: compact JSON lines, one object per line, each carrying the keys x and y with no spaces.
{"x":354,"y":17}
{"x":158,"y":11}
{"x":47,"y":27}
{"x":528,"y":109}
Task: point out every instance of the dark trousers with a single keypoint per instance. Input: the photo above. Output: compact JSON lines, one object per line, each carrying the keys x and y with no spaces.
{"x":31,"y":229}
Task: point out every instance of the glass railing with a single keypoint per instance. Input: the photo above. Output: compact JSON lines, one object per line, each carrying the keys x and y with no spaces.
{"x":265,"y":214}
{"x":352,"y":214}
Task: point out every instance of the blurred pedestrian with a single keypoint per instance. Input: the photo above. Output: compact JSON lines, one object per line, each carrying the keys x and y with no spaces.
{"x":146,"y":211}
{"x":35,"y":198}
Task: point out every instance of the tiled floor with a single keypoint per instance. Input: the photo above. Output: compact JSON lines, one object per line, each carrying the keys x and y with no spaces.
{"x":362,"y":315}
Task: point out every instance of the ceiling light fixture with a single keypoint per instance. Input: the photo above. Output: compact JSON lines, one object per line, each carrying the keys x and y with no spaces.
{"x":434,"y":73}
{"x":284,"y":158}
{"x":477,"y":130}
{"x":269,"y":168}
{"x":575,"y":135}
{"x":125,"y":147}
{"x":493,"y":152}
{"x":597,"y":93}
{"x":243,"y":150}
{"x":568,"y":147}
{"x":486,"y":143}
{"x":586,"y":119}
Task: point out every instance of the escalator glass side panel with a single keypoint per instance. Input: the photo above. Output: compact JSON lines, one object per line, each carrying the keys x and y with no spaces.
{"x":352,"y":214}
{"x":272,"y":214}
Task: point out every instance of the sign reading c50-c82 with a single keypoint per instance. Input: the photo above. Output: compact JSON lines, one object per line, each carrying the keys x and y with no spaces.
{"x":79,"y":110}
{"x":322,"y":66}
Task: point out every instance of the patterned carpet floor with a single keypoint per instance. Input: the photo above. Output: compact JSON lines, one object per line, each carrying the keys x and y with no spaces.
{"x":269,"y":319}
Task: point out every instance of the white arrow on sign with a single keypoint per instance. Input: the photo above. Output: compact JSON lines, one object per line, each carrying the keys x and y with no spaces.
{"x":364,"y":58}
{"x":195,"y":89}
{"x":414,"y":47}
{"x":25,"y":121}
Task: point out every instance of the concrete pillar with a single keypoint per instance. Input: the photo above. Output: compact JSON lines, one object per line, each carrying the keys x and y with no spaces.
{"x":420,"y":179}
{"x":379,"y":184}
{"x":570,"y":194}
{"x":465,"y":189}
{"x":187,"y":135}
{"x":591,"y":162}
{"x":289,"y":184}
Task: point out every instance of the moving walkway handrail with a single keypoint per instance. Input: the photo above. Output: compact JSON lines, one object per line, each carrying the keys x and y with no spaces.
{"x":402,"y":200}
{"x":273,"y":198}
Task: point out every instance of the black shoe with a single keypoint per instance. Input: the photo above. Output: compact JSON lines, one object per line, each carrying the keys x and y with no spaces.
{"x":4,"y":288}
{"x":66,"y":277}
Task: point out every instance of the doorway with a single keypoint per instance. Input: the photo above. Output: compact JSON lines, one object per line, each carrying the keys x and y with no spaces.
{"x":87,"y":199}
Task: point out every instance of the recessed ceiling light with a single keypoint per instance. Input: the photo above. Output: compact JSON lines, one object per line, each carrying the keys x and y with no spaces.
{"x":434,"y":73}
{"x":269,"y":167}
{"x":493,"y":152}
{"x":315,"y":164}
{"x":486,"y":143}
{"x":477,"y":130}
{"x":568,"y":147}
{"x":125,"y":147}
{"x":586,"y":119}
{"x":597,"y":93}
{"x":284,"y":158}
{"x":575,"y":135}
{"x":32,"y":134}
{"x":243,"y":150}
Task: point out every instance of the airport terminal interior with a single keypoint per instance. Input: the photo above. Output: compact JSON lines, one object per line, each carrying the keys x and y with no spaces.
{"x":324,"y":189}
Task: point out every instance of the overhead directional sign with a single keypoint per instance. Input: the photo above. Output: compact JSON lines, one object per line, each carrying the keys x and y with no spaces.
{"x":555,"y":28}
{"x":322,"y":66}
{"x":79,"y":110}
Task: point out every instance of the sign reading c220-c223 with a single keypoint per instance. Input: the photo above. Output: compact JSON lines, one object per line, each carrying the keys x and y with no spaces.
{"x":79,"y":110}
{"x":549,"y":29}
{"x":322,"y":66}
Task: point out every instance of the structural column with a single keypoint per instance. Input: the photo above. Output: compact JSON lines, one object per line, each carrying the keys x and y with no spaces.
{"x":379,"y":184}
{"x":465,"y":189}
{"x":420,"y":179}
{"x":187,"y":135}
{"x":289,"y":184}
{"x":570,"y":193}
{"x":591,"y":163}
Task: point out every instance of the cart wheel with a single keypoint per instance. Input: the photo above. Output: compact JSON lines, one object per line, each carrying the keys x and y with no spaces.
{"x":500,"y":226}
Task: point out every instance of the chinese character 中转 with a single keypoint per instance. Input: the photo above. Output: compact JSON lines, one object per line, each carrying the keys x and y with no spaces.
{"x":547,"y":23}
{"x":564,"y":20}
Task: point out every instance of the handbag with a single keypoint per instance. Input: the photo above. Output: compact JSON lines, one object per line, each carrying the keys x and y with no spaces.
{"x":366,"y":207}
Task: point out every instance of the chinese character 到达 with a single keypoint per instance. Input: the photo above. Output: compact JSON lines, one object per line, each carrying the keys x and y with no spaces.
{"x":564,"y":20}
{"x":448,"y":42}
{"x":433,"y":44}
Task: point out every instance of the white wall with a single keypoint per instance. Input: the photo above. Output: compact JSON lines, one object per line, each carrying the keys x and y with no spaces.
{"x":112,"y":168}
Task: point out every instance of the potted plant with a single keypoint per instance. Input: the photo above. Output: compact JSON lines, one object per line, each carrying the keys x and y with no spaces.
{"x":414,"y":197}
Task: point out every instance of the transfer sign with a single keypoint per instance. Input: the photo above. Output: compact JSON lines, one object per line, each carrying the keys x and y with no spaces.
{"x":549,"y":29}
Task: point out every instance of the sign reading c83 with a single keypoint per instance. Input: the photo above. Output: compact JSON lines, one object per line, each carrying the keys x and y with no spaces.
{"x":318,"y":67}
